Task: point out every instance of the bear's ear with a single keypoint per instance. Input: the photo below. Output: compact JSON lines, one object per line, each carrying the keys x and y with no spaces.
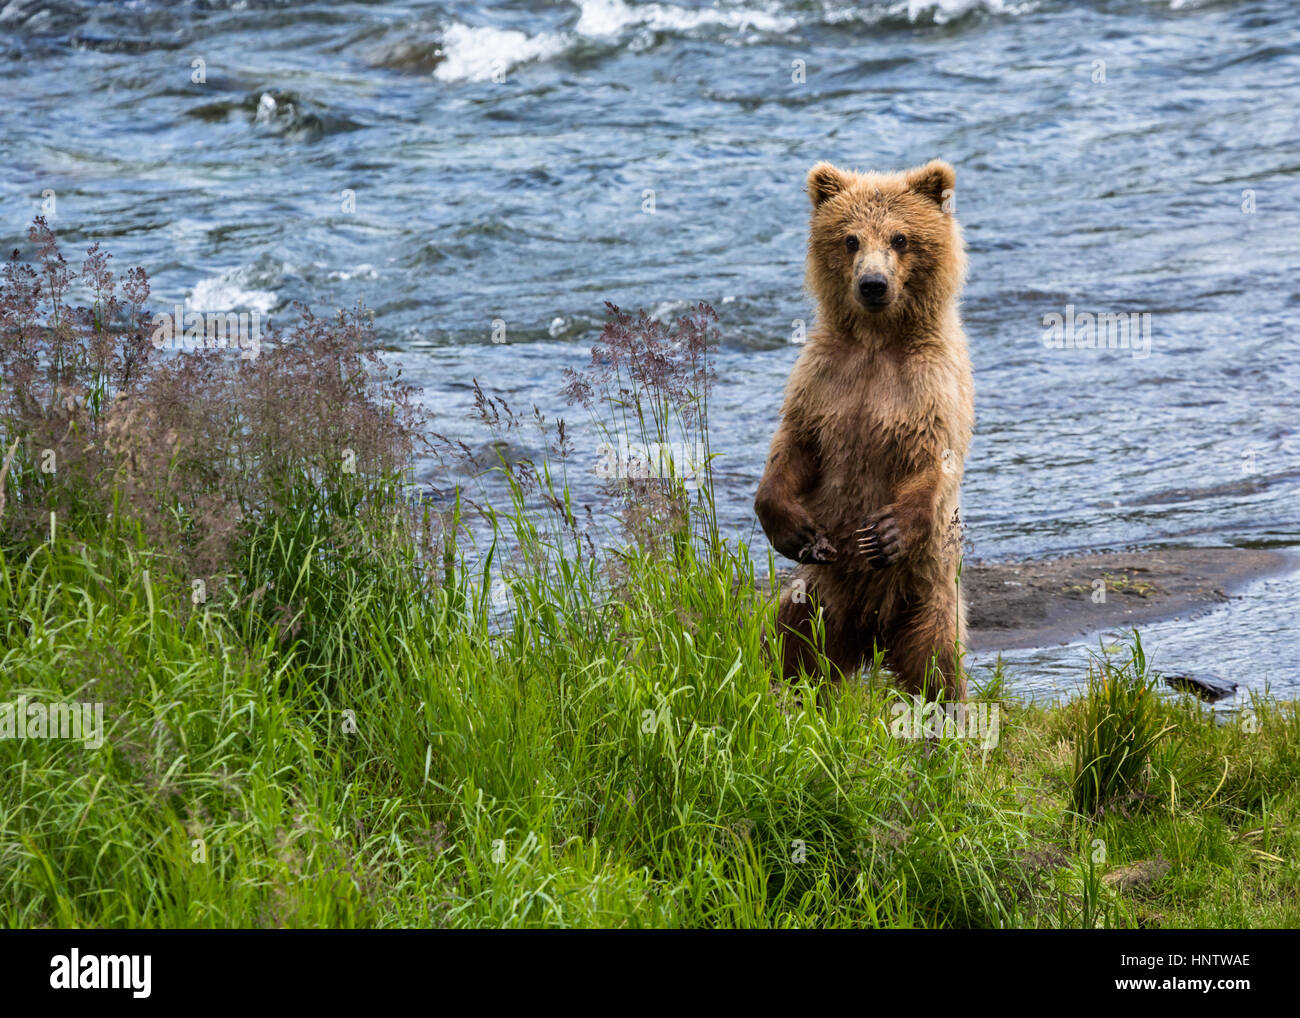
{"x":934,"y":180}
{"x":825,"y":181}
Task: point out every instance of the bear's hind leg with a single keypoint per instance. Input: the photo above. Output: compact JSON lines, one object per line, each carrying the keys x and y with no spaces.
{"x":794,"y":624}
{"x":923,"y":650}
{"x":795,"y":619}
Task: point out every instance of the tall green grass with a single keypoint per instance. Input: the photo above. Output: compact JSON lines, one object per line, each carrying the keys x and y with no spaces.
{"x":1119,"y":725}
{"x":591,"y":763}
{"x":390,"y":753}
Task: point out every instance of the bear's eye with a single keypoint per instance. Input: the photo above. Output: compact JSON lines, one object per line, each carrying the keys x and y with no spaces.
{"x":851,"y":242}
{"x":898,"y":242}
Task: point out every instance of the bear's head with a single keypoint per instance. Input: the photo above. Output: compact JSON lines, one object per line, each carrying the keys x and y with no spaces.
{"x":884,"y":248}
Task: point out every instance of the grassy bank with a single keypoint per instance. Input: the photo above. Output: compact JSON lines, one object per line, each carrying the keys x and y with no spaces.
{"x":625,"y":763}
{"x":383,"y":710}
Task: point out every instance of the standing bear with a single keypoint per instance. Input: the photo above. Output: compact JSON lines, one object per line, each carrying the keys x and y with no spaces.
{"x":861,"y":485}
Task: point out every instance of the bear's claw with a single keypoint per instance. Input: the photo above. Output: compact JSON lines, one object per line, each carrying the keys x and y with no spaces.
{"x":880,"y":541}
{"x":817,"y":550}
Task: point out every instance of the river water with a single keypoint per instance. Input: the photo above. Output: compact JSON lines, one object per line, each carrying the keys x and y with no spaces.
{"x":456,"y":164}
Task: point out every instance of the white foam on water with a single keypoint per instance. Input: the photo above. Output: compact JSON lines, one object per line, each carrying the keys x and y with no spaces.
{"x":938,"y":12}
{"x":266,"y":107}
{"x":943,"y":11}
{"x":363,"y":271}
{"x":226,"y":292}
{"x":479,"y":53}
{"x":606,"y":18}
{"x":476,"y":54}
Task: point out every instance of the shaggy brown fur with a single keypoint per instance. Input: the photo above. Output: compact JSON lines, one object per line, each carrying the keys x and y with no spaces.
{"x":862,"y":481}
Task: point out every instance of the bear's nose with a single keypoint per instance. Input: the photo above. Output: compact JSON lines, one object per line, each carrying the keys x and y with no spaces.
{"x":873,"y":287}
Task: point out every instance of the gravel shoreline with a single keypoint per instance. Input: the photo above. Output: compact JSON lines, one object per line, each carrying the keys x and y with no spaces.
{"x":1043,"y":602}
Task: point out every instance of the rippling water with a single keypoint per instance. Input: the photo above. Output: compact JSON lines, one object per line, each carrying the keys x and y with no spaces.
{"x":1113,"y":157}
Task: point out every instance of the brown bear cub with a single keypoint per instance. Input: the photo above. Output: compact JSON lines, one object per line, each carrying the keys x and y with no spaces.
{"x":862,"y":481}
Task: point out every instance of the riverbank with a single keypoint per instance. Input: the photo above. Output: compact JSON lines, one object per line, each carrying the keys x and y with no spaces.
{"x":1041,"y":602}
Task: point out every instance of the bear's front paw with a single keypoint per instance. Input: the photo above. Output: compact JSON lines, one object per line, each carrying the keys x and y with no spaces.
{"x":881,"y":540}
{"x":817,"y":550}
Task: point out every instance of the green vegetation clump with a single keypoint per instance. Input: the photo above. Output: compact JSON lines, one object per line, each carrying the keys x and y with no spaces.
{"x":385,"y":706}
{"x":1121,"y":724}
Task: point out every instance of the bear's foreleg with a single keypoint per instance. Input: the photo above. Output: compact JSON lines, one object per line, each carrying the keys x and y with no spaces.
{"x":791,"y":468}
{"x":906,"y":523}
